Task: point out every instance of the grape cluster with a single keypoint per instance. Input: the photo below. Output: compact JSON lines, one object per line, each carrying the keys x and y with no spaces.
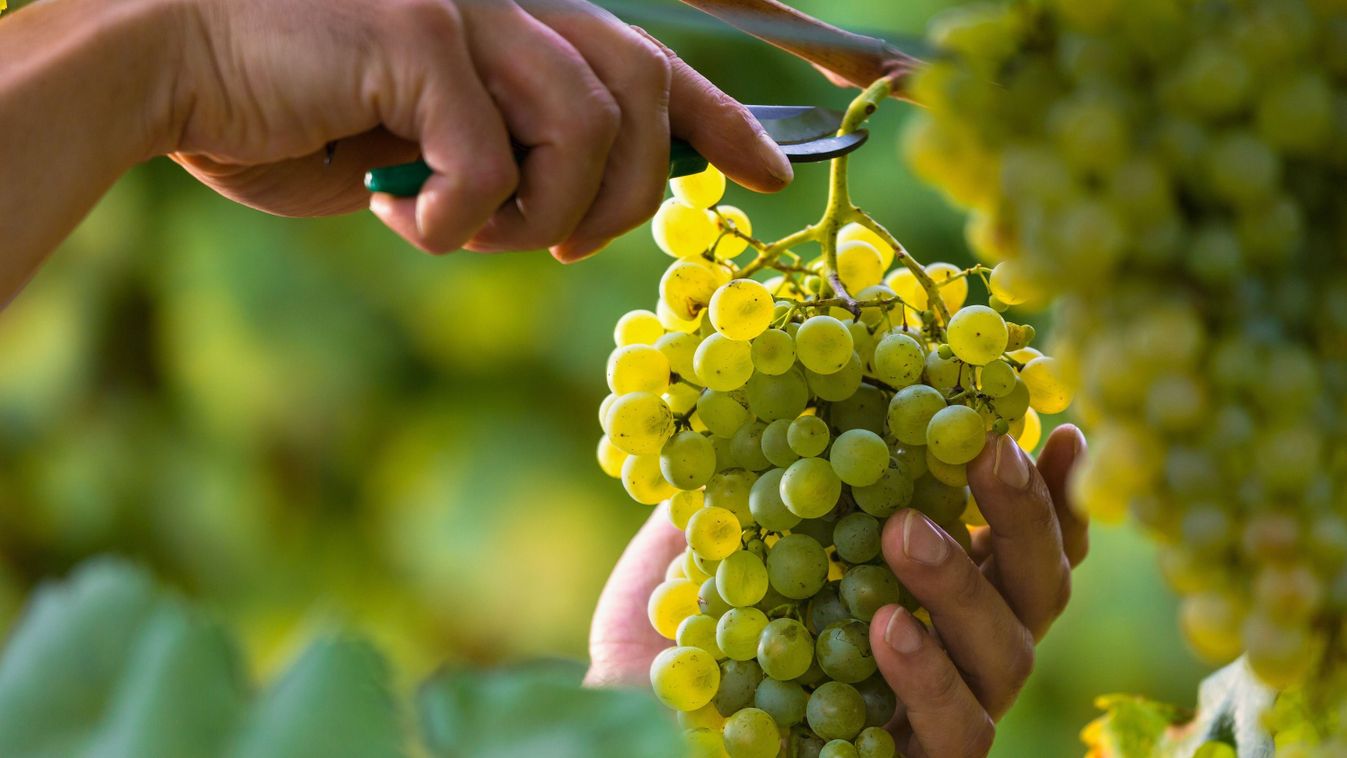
{"x":784,"y":421}
{"x":1175,"y":172}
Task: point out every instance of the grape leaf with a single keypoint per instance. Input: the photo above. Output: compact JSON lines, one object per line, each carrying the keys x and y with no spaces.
{"x":108,"y":665}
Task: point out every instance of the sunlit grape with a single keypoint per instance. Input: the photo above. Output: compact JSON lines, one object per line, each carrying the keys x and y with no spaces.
{"x":823,"y":344}
{"x":683,"y":231}
{"x":700,"y":190}
{"x":684,"y":678}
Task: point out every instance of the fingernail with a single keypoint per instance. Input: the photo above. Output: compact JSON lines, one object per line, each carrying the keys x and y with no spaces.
{"x":1010,"y":466}
{"x":380,"y":204}
{"x":777,"y":164}
{"x":922,"y":540}
{"x":903,"y":632}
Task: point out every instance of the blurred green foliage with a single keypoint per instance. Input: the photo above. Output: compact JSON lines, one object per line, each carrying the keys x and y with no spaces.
{"x":306,"y":423}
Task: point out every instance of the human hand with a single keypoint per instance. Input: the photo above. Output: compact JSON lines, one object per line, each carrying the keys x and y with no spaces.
{"x":988,"y":608}
{"x":265,"y":86}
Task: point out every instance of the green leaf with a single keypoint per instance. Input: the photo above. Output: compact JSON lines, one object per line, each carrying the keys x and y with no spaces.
{"x":540,"y":709}
{"x":107,"y":665}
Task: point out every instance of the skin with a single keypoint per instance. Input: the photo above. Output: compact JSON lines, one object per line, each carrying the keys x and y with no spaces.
{"x":247,"y":94}
{"x":988,"y":608}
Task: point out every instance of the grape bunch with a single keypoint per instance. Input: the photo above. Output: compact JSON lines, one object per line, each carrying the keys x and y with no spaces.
{"x":1174,"y":173}
{"x":783,"y":420}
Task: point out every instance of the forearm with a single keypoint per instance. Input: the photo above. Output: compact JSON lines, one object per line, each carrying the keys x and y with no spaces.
{"x":86,"y":92}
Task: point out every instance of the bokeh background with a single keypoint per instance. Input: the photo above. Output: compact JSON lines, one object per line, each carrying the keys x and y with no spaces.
{"x":307,"y":423}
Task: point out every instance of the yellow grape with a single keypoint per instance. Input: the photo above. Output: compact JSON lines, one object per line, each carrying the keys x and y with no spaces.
{"x":956,"y":434}
{"x":731,"y":245}
{"x":638,"y":368}
{"x":644,"y":480}
{"x":684,"y":678}
{"x":723,"y":364}
{"x":682,"y":505}
{"x":670,"y":602}
{"x":611,"y":457}
{"x":670,"y":321}
{"x":714,"y":533}
{"x":859,"y":265}
{"x":700,"y":190}
{"x":855,"y":232}
{"x":704,"y":742}
{"x":978,"y":335}
{"x":1049,"y":389}
{"x":699,"y":630}
{"x":683,"y":231}
{"x":639,"y":423}
{"x":639,"y":327}
{"x":1031,"y":430}
{"x":741,"y":309}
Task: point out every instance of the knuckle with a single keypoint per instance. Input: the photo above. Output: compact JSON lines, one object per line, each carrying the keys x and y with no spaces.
{"x":496,"y":176}
{"x":945,"y":685}
{"x":600,"y":119}
{"x":966,"y":585}
{"x":434,"y":19}
{"x":649,"y":65}
{"x":1021,"y":663}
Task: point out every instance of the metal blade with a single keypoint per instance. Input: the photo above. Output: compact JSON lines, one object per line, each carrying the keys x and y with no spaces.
{"x":793,"y":124}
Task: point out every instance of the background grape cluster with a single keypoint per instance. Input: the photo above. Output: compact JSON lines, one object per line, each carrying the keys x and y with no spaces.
{"x":1175,"y":171}
{"x":783,"y":432}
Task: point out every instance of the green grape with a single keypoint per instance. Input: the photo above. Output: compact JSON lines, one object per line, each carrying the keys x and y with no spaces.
{"x":684,"y":678}
{"x":883,"y":498}
{"x":898,"y":360}
{"x":639,"y":423}
{"x":953,"y":285}
{"x":875,"y":742}
{"x":856,"y":536}
{"x":955,"y":435}
{"x":977,"y":335}
{"x":731,"y":245}
{"x":997,"y":379}
{"x":808,"y":436}
{"x":843,"y":651}
{"x":783,"y":701}
{"x":1015,"y":403}
{"x":776,"y":444}
{"x":863,"y":410}
{"x":637,"y":327}
{"x":836,"y":711}
{"x":785,"y":649}
{"x":1049,"y":389}
{"x":738,"y":631}
{"x":746,"y":446}
{"x":855,"y":232}
{"x":773,"y":352}
{"x":810,"y":487}
{"x":1009,"y":284}
{"x":643,"y":480}
{"x":723,"y":412}
{"x":699,"y":631}
{"x":688,"y":460}
{"x":751,"y":733}
{"x":709,"y":601}
{"x":683,"y":231}
{"x":940,"y":502}
{"x":1296,"y":116}
{"x":859,"y":457}
{"x":821,"y":529}
{"x":741,"y":309}
{"x":682,"y":399}
{"x":840,"y":384}
{"x":706,"y":717}
{"x":700,"y":190}
{"x":741,"y":579}
{"x":865,"y":589}
{"x":838,"y":749}
{"x":777,"y":397}
{"x":682,"y":505}
{"x":704,"y":742}
{"x":1241,"y":168}
{"x":826,"y":608}
{"x":723,"y":364}
{"x":739,"y":681}
{"x":678,"y":348}
{"x":766,"y":505}
{"x":880,"y":702}
{"x":805,"y":744}
{"x":942,"y":373}
{"x":952,"y":474}
{"x":875,"y":318}
{"x":714,"y":533}
{"x":611,"y":457}
{"x":911,"y":410}
{"x":729,"y":490}
{"x":797,"y":566}
{"x":823,"y":344}
{"x":687,"y":287}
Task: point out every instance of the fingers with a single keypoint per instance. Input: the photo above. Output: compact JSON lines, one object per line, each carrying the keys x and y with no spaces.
{"x":1025,"y":539}
{"x":636,"y":74}
{"x":558,"y":109}
{"x":982,"y":635}
{"x":430,"y":94}
{"x":723,"y":130}
{"x":943,"y":714}
{"x":621,"y":641}
{"x":1064,"y":446}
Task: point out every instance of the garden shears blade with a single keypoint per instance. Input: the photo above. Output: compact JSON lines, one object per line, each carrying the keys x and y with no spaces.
{"x":805,"y":133}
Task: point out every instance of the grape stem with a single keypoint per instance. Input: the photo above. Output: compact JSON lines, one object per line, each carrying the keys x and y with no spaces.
{"x":841,"y":211}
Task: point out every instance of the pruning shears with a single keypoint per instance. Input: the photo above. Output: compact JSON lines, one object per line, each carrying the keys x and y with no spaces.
{"x":806,"y":134}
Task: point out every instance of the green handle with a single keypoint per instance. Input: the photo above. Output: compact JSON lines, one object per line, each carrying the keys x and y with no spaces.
{"x":406,"y":180}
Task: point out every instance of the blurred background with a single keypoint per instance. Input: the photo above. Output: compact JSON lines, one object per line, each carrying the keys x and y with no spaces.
{"x":307,"y":423}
